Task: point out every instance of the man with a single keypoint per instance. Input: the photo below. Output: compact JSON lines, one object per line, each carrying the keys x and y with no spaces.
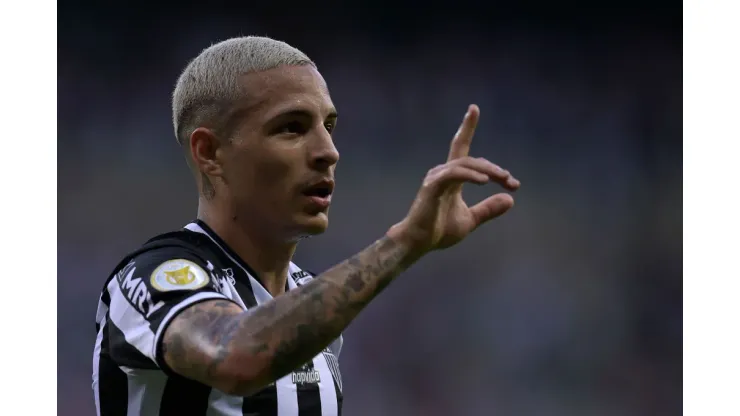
{"x":215,"y":319}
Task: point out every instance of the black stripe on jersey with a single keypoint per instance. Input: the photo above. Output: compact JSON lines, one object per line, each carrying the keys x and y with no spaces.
{"x":112,"y":383}
{"x":105,"y":297}
{"x":309,"y":398}
{"x":112,"y":388}
{"x":105,"y":300}
{"x":245,"y":293}
{"x":184,"y":397}
{"x":340,"y":398}
{"x":123,"y":353}
{"x":263,"y":403}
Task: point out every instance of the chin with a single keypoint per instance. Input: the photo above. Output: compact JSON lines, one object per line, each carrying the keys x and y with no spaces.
{"x":310,"y":225}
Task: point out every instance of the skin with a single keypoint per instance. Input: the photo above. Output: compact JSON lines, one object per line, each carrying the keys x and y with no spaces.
{"x":238,"y":352}
{"x":281,"y":143}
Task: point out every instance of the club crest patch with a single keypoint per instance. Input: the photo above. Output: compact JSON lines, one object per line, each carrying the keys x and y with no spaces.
{"x":179,"y":274}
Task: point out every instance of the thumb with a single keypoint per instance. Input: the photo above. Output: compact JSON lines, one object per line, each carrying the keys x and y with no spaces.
{"x":491,"y":207}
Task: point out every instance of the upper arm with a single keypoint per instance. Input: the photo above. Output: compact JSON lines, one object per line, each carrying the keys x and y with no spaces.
{"x":147,"y":295}
{"x":196,"y":343}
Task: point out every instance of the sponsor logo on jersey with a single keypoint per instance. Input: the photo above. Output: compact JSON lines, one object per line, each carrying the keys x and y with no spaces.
{"x":221,"y":281}
{"x":135,"y":290}
{"x":179,"y":274}
{"x":301,"y":273}
{"x":306,"y":375}
{"x":301,"y":277}
{"x":229,"y":273}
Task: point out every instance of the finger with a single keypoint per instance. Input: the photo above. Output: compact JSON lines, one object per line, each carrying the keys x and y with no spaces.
{"x":494,"y":172}
{"x":453,"y":176}
{"x":491,"y":207}
{"x":460,"y":146}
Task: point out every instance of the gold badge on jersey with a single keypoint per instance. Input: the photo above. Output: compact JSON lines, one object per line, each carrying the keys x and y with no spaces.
{"x":179,"y":274}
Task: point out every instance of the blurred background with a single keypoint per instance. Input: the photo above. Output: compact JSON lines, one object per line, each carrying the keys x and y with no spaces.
{"x":570,"y":305}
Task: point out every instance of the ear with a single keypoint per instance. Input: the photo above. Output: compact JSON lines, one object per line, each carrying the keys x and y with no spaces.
{"x":205,"y":149}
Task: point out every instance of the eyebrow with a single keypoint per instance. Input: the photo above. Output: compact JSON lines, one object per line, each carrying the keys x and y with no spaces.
{"x":303,"y":113}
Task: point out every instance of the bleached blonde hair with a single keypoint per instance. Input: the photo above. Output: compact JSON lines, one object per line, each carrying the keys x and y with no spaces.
{"x":209,"y":86}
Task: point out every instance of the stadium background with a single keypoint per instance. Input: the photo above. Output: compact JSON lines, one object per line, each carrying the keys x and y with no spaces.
{"x":571,"y":305}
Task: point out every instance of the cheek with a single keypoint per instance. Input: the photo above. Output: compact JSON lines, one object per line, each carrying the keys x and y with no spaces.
{"x":271,"y":169}
{"x":270,"y":177}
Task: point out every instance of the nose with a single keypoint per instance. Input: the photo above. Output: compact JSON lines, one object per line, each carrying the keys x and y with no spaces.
{"x":324,"y":154}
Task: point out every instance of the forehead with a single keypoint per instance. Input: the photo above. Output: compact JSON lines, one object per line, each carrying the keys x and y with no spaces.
{"x":287,"y":88}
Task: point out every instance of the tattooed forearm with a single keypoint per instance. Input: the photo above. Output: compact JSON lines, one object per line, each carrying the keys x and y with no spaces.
{"x":254,"y":348}
{"x":290,"y":331}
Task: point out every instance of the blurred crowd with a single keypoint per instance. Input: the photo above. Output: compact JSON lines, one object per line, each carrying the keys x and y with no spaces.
{"x":570,"y":305}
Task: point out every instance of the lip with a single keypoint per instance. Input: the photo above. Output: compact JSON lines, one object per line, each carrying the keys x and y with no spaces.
{"x":323,"y":183}
{"x":318,"y":201}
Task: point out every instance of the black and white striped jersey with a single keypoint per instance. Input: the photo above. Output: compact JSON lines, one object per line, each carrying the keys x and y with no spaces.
{"x":147,"y":290}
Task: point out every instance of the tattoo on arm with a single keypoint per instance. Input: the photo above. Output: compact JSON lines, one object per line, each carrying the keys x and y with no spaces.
{"x":215,"y":340}
{"x":195,"y":343}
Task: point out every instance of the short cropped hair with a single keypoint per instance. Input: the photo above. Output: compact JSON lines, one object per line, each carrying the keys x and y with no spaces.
{"x":209,"y":85}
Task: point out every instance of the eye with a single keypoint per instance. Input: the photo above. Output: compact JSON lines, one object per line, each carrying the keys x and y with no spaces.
{"x":329,"y":126}
{"x":293,"y":127}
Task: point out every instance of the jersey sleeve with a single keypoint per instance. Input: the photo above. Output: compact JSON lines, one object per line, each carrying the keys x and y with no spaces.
{"x":147,"y":294}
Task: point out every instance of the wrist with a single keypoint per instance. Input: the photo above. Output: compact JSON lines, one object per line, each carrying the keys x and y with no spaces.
{"x":402,"y":235}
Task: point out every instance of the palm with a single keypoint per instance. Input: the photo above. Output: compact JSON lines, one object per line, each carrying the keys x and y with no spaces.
{"x":456,"y":223}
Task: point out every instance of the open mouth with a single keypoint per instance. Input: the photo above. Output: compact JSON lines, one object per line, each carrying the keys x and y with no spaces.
{"x":321,"y":190}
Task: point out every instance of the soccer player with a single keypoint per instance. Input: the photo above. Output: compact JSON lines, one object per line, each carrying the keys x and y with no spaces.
{"x":215,"y":319}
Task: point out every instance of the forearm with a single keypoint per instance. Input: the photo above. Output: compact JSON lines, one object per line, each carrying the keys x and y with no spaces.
{"x":288,"y":331}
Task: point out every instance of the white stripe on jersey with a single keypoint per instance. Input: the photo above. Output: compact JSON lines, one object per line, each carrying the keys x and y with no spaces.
{"x":96,"y":358}
{"x":132,"y":324}
{"x":326,"y":386}
{"x":221,"y":404}
{"x":287,"y":397}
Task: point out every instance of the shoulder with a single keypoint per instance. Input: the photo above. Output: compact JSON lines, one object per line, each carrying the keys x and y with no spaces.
{"x":168,"y":262}
{"x":167,"y":271}
{"x":186,"y":244}
{"x":149,"y":287}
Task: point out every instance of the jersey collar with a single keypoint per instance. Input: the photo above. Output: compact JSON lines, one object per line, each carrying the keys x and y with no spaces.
{"x":259,"y":291}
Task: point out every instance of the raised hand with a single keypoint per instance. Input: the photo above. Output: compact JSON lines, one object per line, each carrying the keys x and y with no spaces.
{"x":439,"y":217}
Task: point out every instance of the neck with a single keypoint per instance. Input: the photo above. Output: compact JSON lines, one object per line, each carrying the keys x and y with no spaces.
{"x":269,"y":258}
